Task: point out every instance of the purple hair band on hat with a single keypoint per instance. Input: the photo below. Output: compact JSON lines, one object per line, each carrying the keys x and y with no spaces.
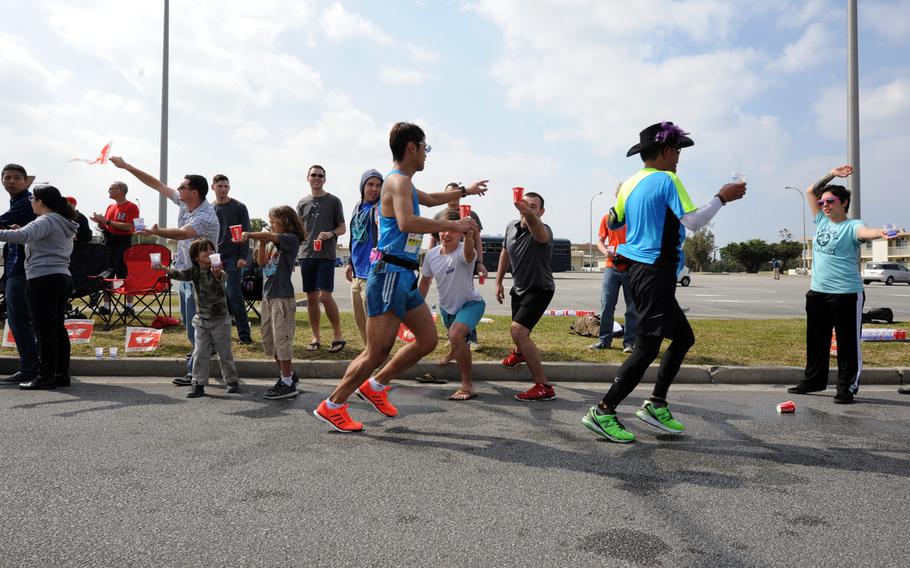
{"x":669,"y":132}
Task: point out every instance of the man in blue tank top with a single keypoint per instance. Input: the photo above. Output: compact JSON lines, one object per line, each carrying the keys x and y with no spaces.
{"x":392,"y":295}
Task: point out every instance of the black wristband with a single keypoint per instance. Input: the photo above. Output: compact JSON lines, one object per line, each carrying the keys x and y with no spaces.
{"x":722,"y":202}
{"x":464,"y":191}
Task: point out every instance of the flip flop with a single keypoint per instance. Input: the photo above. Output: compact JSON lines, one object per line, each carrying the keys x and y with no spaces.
{"x":313,"y":346}
{"x":461,"y":395}
{"x":430,"y":378}
{"x":337,"y":345}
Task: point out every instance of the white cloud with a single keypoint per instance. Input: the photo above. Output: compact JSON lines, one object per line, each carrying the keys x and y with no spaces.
{"x":340,"y":25}
{"x":890,"y":19}
{"x":395,"y":76}
{"x":812,"y":48}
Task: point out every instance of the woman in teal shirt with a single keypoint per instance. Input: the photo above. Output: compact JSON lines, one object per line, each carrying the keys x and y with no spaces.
{"x":835,"y":298}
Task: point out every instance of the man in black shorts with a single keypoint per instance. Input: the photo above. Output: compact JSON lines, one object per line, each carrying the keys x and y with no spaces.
{"x":528,"y":246}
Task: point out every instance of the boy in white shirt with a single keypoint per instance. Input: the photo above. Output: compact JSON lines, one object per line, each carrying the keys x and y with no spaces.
{"x":451,"y":263}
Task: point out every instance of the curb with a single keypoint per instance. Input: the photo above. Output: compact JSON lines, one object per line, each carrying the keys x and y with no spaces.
{"x":483,"y":371}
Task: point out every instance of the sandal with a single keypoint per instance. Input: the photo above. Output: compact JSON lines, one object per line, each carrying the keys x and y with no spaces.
{"x":462,"y":394}
{"x":430,"y":378}
{"x":337,"y":345}
{"x":313,"y":346}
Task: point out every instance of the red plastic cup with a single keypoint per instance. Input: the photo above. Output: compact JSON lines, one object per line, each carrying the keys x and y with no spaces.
{"x":236,"y":232}
{"x":518,"y":194}
{"x":465,"y":210}
{"x":788,"y":407}
{"x":481,"y":279}
{"x":317,"y":245}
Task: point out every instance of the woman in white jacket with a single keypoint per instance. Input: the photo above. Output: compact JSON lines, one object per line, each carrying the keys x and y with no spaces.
{"x":48,"y":244}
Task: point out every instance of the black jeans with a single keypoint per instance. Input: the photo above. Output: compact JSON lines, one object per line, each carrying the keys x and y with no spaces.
{"x":844,"y":314}
{"x":47,"y":298}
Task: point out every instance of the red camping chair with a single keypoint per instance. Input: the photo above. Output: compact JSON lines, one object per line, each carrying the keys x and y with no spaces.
{"x":149,"y":288}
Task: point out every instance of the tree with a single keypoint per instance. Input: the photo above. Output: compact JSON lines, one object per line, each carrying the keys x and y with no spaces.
{"x":699,"y":248}
{"x":257,"y":224}
{"x":752,"y":254}
{"x":786,"y":251}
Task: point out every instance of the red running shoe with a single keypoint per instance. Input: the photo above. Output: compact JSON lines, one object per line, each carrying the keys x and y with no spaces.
{"x":379,"y":399}
{"x":514,"y":359}
{"x":338,"y":419}
{"x":539,"y":391}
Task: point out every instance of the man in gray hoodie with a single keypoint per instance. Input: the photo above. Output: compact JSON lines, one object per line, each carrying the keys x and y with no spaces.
{"x":364,"y":236}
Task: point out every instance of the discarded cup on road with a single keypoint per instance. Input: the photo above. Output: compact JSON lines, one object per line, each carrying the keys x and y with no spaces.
{"x":139,"y":223}
{"x":518,"y":194}
{"x":465,"y":210}
{"x":113,"y":352}
{"x":99,"y":352}
{"x":155,"y":257}
{"x":317,"y":245}
{"x":236,"y":232}
{"x":788,"y":407}
{"x":216,"y":260}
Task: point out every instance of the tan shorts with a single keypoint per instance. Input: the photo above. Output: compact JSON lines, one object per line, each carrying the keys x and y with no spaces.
{"x":278,"y":325}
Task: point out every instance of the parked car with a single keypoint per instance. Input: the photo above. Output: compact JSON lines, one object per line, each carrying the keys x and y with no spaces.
{"x":887,"y":272}
{"x":683,"y":277}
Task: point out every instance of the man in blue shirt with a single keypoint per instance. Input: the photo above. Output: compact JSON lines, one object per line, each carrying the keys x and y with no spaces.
{"x":16,"y":182}
{"x":656,"y":209}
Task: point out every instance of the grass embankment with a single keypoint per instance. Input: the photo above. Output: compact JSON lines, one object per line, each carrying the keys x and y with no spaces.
{"x":718,"y":342}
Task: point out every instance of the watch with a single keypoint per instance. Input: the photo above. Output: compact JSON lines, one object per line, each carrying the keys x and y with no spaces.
{"x":464,"y":191}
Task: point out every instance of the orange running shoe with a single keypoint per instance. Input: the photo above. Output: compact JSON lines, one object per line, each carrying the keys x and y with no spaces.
{"x":338,"y":419}
{"x":379,"y":399}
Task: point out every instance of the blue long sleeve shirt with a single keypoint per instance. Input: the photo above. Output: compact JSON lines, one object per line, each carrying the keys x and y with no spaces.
{"x":20,"y":213}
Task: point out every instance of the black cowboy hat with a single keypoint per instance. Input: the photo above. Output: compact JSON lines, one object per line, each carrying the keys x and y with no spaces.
{"x":668,"y":130}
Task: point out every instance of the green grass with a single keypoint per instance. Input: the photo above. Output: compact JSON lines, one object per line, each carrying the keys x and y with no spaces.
{"x":718,"y":342}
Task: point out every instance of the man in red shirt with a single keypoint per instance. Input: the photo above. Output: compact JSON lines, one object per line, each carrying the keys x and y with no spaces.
{"x":117,"y":227}
{"x":609,"y":292}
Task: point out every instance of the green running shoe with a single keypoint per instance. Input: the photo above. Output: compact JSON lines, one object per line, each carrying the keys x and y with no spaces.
{"x":660,"y":417}
{"x":608,"y":426}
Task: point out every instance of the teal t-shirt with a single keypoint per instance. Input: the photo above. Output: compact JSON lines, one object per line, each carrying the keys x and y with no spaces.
{"x":835,"y":262}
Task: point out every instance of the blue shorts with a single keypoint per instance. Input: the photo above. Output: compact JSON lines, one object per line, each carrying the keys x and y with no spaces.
{"x":469,"y":314}
{"x":317,"y":274}
{"x":392,"y":291}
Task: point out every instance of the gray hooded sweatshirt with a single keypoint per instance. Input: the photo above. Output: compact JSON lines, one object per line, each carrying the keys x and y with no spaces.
{"x":48,"y":244}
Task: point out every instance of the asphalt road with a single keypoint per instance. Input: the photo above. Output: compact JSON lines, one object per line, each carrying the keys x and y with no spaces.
{"x":723,"y":296}
{"x":130,"y":473}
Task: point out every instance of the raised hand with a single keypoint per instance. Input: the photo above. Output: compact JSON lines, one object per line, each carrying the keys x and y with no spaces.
{"x":842,"y":171}
{"x":477,"y":188}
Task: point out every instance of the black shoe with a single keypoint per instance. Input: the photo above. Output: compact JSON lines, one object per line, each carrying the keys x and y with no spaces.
{"x":196,"y":391}
{"x":63,"y":380}
{"x":16,"y":378}
{"x":103,"y":311}
{"x":281,"y":390}
{"x":599,"y":345}
{"x":294,"y":380}
{"x":904,"y":390}
{"x":39,"y":383}
{"x":803,"y":388}
{"x":232,"y":388}
{"x":128,"y":311}
{"x":843,"y":398}
{"x":246,"y":341}
{"x":183,"y":381}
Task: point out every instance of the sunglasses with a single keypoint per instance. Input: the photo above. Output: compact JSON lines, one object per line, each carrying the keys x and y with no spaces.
{"x":317,"y":175}
{"x":829,"y":201}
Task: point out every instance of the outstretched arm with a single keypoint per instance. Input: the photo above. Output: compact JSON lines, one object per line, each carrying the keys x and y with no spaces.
{"x":697,"y":219}
{"x":408,"y":222}
{"x":814,"y":191}
{"x":443,"y":197}
{"x":146,"y":178}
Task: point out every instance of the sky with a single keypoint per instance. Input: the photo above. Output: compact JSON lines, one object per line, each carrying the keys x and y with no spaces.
{"x":547,"y":95}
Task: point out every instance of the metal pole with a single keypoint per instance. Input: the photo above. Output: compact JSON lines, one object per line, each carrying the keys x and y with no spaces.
{"x":853,"y":107}
{"x":162,"y":169}
{"x":591,"y":230}
{"x":805,"y":240}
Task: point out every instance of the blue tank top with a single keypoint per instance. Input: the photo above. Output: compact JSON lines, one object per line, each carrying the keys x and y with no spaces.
{"x":394,"y":242}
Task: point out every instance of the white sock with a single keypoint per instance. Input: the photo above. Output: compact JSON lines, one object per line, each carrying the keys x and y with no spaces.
{"x":288,"y":380}
{"x":377,"y":386}
{"x":333,"y":405}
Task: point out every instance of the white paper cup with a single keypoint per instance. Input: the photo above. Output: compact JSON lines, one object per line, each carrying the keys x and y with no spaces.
{"x":139,"y":223}
{"x":738,"y":177}
{"x":216,"y":260}
{"x":113,"y":352}
{"x":155,"y":257}
{"x":99,"y":352}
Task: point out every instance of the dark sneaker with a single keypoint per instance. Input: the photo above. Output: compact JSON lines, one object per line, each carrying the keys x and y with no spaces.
{"x":627,"y":348}
{"x":294,"y":380}
{"x":103,"y":311}
{"x":196,"y":391}
{"x":804,"y":388}
{"x":599,"y":345}
{"x":539,"y":391}
{"x":128,"y":311}
{"x":232,"y":388}
{"x":904,"y":390}
{"x":39,"y":383}
{"x":183,"y":381}
{"x":245,"y":341}
{"x":843,"y":398}
{"x":281,"y":390}
{"x":63,"y":380}
{"x":16,"y":378}
{"x":514,"y":359}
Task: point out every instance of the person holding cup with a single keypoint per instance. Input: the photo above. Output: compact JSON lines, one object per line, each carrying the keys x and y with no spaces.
{"x":233,"y":221}
{"x":117,"y":227}
{"x":835,"y":298}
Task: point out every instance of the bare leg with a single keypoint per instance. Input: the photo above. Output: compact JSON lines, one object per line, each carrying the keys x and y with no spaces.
{"x":421,"y":324}
{"x":381,"y":331}
{"x":457,"y":334}
{"x":521,"y":336}
{"x":331,"y":312}
{"x":312,"y":310}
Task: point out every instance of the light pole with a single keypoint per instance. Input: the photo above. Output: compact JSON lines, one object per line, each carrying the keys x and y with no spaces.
{"x":591,"y":229}
{"x":802,"y":199}
{"x":162,"y":171}
{"x":853,"y":108}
